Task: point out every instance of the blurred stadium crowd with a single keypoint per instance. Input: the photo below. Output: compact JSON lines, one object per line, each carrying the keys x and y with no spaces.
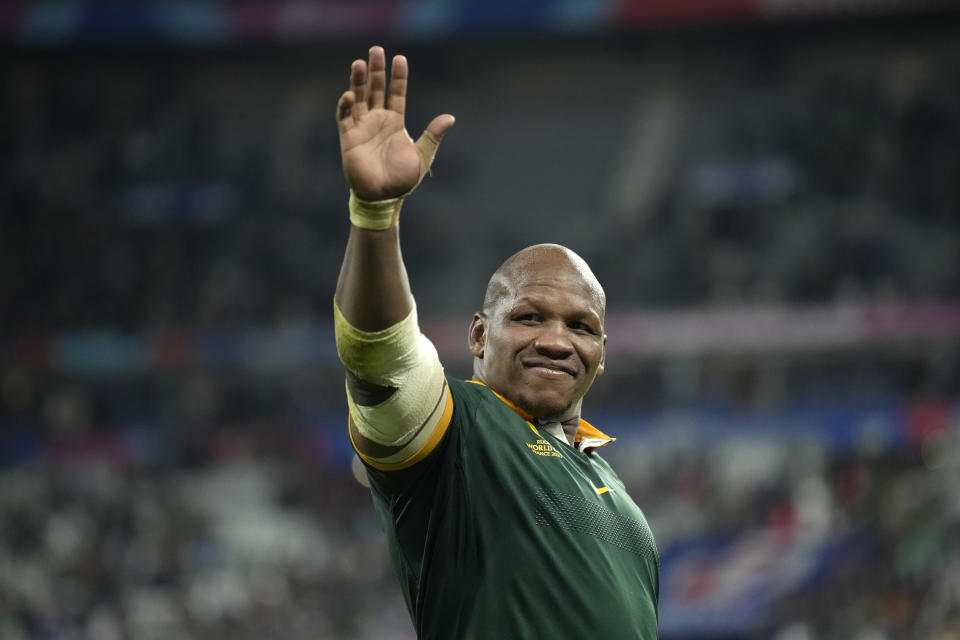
{"x":195,"y":197}
{"x":200,"y":191}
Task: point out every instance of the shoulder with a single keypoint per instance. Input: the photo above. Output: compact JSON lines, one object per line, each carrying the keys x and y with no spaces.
{"x":467,"y":392}
{"x":477,"y":404}
{"x":468,"y":397}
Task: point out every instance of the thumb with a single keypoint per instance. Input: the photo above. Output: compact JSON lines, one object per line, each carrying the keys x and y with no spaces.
{"x":428,"y":142}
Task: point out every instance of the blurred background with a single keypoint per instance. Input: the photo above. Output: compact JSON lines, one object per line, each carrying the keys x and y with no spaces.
{"x":768,"y":189}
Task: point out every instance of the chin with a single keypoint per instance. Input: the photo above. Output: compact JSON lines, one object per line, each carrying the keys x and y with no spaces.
{"x":541,"y":407}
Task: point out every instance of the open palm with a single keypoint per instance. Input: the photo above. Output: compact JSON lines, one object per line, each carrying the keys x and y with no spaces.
{"x":380,"y":159}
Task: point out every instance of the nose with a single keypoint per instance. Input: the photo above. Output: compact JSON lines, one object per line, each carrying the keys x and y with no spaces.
{"x":553,"y":342}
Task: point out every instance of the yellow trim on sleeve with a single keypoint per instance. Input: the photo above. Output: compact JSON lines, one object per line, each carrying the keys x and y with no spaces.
{"x":438,"y":431}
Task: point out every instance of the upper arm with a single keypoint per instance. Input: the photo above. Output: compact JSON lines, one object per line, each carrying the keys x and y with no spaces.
{"x":399,"y":402}
{"x":367,"y":393}
{"x":422,"y":440}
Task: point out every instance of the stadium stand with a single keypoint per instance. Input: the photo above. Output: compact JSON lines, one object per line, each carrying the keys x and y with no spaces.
{"x":173,"y":462}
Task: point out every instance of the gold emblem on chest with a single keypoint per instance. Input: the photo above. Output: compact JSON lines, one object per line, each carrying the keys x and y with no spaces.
{"x":544,"y":448}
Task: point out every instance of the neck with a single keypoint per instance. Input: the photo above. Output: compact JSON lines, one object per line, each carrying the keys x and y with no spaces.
{"x":569,"y":422}
{"x":565,"y":429}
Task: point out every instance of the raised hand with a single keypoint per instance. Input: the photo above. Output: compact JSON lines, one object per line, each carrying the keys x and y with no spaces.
{"x":380,"y":159}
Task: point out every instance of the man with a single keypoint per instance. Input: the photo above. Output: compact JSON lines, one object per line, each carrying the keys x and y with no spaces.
{"x":502,"y":519}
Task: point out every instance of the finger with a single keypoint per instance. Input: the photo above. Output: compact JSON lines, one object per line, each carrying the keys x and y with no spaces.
{"x":428,"y":142}
{"x":397,"y":98}
{"x":376,"y":78}
{"x":358,"y":86}
{"x":439,"y":126}
{"x":345,"y":111}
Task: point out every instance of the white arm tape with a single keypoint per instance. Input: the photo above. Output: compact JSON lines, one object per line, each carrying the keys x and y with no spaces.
{"x":400,"y":357}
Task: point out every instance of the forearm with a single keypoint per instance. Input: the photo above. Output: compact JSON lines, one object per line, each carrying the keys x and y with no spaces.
{"x":373,"y":292}
{"x":382,"y":164}
{"x":396,"y":391}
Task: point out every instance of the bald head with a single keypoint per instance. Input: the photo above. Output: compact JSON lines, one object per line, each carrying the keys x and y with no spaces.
{"x":536,"y":262}
{"x":539,"y":341}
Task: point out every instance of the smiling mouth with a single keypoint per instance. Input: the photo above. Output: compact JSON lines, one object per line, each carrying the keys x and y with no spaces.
{"x":549,"y":370}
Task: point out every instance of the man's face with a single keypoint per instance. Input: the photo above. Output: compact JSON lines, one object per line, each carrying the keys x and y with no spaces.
{"x":542,"y":344}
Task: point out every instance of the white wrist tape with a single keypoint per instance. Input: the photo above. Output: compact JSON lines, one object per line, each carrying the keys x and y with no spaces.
{"x":378,"y":214}
{"x":399,"y":357}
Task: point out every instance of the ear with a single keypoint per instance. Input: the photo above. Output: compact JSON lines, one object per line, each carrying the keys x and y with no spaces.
{"x":477,"y":337}
{"x":603,"y":356}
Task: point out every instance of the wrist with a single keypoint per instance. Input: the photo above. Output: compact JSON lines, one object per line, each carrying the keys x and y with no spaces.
{"x":374,"y":214}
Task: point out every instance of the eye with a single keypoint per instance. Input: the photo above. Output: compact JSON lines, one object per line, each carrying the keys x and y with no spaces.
{"x":581,"y":327}
{"x":528,"y":318}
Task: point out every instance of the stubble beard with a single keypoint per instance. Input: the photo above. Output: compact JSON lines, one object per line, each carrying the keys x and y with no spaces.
{"x":544,"y":413}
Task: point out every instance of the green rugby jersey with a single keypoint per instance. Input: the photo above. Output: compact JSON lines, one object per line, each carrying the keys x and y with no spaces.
{"x":502,"y":530}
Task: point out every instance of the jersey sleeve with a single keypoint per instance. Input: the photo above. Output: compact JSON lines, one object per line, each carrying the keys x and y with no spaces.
{"x":426,"y":436}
